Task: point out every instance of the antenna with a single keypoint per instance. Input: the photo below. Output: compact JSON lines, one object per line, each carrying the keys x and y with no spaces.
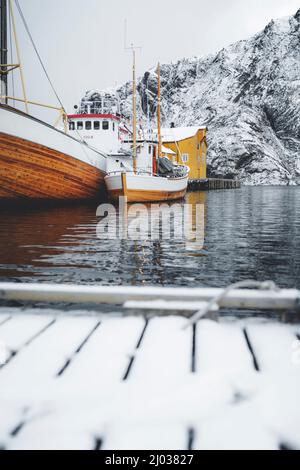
{"x":125,"y":33}
{"x":133,"y":49}
{"x":126,"y":47}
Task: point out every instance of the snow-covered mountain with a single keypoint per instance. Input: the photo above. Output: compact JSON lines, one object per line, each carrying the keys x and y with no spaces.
{"x":249,"y":97}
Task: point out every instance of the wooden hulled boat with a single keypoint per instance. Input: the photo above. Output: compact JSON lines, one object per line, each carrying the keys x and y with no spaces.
{"x":145,"y":188}
{"x":37,"y":160}
{"x":152,"y":178}
{"x":40,"y":162}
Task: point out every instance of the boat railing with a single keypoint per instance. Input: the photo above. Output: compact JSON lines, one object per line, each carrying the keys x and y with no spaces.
{"x":98,"y":107}
{"x":62,"y":112}
{"x":131,"y":172}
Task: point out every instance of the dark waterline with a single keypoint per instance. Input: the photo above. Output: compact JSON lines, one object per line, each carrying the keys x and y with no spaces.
{"x":252,"y":232}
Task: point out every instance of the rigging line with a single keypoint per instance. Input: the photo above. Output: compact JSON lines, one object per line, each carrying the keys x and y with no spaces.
{"x":11,"y":54}
{"x":41,"y":62}
{"x":37,"y":53}
{"x":45,"y":71}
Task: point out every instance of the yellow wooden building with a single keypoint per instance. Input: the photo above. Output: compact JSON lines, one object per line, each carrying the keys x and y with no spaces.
{"x":188,"y":146}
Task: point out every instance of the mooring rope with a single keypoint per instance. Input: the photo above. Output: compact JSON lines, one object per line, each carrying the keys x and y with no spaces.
{"x":215,"y":301}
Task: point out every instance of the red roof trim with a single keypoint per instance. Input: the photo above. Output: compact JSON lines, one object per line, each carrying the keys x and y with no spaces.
{"x":87,"y":116}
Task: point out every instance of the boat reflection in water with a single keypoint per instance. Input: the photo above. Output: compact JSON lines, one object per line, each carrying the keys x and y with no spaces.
{"x":62,"y":244}
{"x":155,"y":238}
{"x":249,"y":232}
{"x":182,"y":220}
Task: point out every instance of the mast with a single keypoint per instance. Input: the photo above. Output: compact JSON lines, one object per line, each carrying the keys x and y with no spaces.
{"x":134,"y":111}
{"x":158,"y":110}
{"x":19,"y":65}
{"x":3,"y":47}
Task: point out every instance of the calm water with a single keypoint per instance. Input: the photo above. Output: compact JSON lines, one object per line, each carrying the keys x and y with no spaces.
{"x":248,"y":233}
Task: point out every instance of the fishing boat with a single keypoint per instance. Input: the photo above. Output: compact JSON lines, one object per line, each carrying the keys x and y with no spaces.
{"x":153,"y":177}
{"x":37,"y":160}
{"x":139,"y":187}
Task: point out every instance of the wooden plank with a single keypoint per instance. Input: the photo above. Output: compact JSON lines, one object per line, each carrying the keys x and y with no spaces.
{"x":146,"y":436}
{"x":83,"y":394}
{"x":221,"y":347}
{"x":165,"y":353}
{"x":47,"y":354}
{"x":275,"y":346}
{"x":272,"y":343}
{"x":29,"y":377}
{"x":121,"y":385}
{"x":56,"y":426}
{"x":4,"y":318}
{"x":237,"y":427}
{"x":21,"y":329}
{"x":225,"y":364}
{"x":105,"y":358}
{"x":161,"y":365}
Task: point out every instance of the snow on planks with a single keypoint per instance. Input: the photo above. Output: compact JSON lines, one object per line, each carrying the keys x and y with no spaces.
{"x":90,"y":382}
{"x":226,"y":364}
{"x":278,"y":353}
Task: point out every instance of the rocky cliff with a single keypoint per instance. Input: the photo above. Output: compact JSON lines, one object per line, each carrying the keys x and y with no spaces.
{"x":248,"y":95}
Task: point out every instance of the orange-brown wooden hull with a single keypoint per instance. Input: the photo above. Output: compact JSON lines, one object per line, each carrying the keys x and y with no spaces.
{"x":146,"y":196}
{"x":32,"y":171}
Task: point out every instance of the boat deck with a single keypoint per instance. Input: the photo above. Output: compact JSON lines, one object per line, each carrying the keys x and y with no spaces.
{"x":92,"y":381}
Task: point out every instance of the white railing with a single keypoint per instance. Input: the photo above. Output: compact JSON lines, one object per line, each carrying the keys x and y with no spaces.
{"x":269,"y":297}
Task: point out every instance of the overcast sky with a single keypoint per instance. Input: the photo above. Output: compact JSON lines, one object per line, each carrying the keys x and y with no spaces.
{"x":82,"y":41}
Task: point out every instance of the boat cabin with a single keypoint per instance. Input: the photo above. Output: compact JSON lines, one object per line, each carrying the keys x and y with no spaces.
{"x":146,"y":151}
{"x":99,"y":122}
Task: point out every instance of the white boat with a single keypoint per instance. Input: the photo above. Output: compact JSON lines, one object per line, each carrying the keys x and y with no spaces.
{"x":145,"y":188}
{"x":152,"y":178}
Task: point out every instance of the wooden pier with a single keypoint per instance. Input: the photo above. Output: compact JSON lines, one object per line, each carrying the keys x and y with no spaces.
{"x":86,"y":380}
{"x":213,"y":183}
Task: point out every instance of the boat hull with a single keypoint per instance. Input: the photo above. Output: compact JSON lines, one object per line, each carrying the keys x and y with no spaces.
{"x":38,"y":162}
{"x":145,"y":188}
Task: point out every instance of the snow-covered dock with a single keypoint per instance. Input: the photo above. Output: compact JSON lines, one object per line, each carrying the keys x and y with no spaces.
{"x":88,"y":381}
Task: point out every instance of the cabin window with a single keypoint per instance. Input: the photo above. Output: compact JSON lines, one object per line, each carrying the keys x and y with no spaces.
{"x":88,"y":125}
{"x":105,"y":125}
{"x":72,"y":126}
{"x":185,"y":157}
{"x":79,"y":125}
{"x":96,"y":125}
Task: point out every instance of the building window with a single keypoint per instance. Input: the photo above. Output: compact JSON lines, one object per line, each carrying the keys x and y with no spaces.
{"x":105,"y":125}
{"x":88,"y":125}
{"x":113,"y":126}
{"x":185,"y":157}
{"x":96,"y":125}
{"x":79,"y":125}
{"x":149,"y":149}
{"x":72,"y":126}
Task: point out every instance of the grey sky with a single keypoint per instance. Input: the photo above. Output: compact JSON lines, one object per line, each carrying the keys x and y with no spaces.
{"x":82,"y":42}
